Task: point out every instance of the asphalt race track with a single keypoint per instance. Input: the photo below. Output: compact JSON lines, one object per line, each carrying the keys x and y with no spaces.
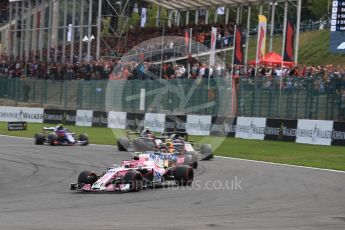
{"x":227,"y":194}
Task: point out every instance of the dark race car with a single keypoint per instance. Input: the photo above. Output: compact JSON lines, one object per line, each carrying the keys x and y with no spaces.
{"x":137,"y":142}
{"x":60,"y":136}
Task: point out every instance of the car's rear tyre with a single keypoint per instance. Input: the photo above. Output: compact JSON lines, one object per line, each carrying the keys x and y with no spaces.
{"x":184,"y":175}
{"x":52,"y":138}
{"x":87,"y":177}
{"x":188,"y":160}
{"x":206,"y":152}
{"x":148,"y":180}
{"x":195,"y":165}
{"x":135,"y":179}
{"x":194,"y":160}
{"x":84,"y":138}
{"x":39,"y":139}
{"x":122,"y":144}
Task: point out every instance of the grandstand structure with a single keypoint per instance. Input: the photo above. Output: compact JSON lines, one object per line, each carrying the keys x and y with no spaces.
{"x":69,"y":30}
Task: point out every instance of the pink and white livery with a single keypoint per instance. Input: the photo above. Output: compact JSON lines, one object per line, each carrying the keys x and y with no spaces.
{"x":144,"y":170}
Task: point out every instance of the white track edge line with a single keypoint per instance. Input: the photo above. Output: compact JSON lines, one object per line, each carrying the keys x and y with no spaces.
{"x":280,"y":164}
{"x":230,"y":158}
{"x":2,"y":135}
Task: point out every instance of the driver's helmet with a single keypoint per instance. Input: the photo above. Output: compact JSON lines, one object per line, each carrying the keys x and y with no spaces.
{"x":174,"y":136}
{"x":170,"y":147}
{"x":177,"y":141}
{"x":146,"y":130}
{"x":59,"y":127}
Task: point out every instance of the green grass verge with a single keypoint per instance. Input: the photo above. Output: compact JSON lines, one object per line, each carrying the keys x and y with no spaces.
{"x":97,"y":135}
{"x":329,"y":157}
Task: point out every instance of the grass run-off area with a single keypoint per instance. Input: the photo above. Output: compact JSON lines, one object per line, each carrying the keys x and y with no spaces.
{"x":328,"y":157}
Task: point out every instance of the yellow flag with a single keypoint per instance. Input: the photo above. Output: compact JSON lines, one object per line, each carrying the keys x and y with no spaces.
{"x":262,"y":29}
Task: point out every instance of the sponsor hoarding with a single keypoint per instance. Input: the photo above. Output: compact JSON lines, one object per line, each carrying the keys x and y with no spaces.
{"x":84,"y":118}
{"x":280,"y":130}
{"x":99,"y":119}
{"x":117,"y":120}
{"x":198,"y":125}
{"x":55,"y":116}
{"x":155,"y":121}
{"x":314,"y":132}
{"x":251,"y":128}
{"x":17,"y":125}
{"x":223,"y":126}
{"x":338,"y":135}
{"x":21,"y":114}
{"x":175,"y":123}
{"x":135,"y":121}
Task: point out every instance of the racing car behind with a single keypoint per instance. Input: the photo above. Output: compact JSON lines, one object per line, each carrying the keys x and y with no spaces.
{"x":60,"y":136}
{"x":147,"y":141}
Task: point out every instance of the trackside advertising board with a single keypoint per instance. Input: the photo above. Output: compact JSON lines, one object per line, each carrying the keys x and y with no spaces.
{"x":55,"y":116}
{"x":117,"y":120}
{"x":155,"y":121}
{"x":99,"y":119}
{"x":251,"y":128}
{"x":17,"y":125}
{"x":135,"y":121}
{"x":175,"y":123}
{"x":280,"y":130}
{"x":338,"y":137}
{"x":314,"y":132}
{"x":198,"y":125}
{"x":21,"y":114}
{"x":223,"y":126}
{"x":84,"y":118}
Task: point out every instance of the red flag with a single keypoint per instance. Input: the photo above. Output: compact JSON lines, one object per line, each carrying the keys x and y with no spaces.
{"x":186,"y":37}
{"x":238,"y":59}
{"x":289,"y":42}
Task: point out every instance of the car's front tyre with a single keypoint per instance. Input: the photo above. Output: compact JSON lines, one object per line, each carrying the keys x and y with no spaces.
{"x":39,"y":139}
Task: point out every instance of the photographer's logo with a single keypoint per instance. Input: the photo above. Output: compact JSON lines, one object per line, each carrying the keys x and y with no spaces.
{"x":167,"y":76}
{"x":341,"y":46}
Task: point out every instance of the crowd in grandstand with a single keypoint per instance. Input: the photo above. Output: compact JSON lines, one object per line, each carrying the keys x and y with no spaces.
{"x":321,"y":78}
{"x":94,"y":70}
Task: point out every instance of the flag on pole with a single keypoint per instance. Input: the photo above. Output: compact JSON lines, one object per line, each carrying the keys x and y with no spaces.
{"x":69,"y":33}
{"x":213,"y":45}
{"x":238,"y":49}
{"x":261,"y":46}
{"x":289,"y":42}
{"x":188,"y":38}
{"x":143,"y":17}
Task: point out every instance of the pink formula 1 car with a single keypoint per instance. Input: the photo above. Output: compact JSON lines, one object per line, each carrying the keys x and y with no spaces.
{"x":145,"y":170}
